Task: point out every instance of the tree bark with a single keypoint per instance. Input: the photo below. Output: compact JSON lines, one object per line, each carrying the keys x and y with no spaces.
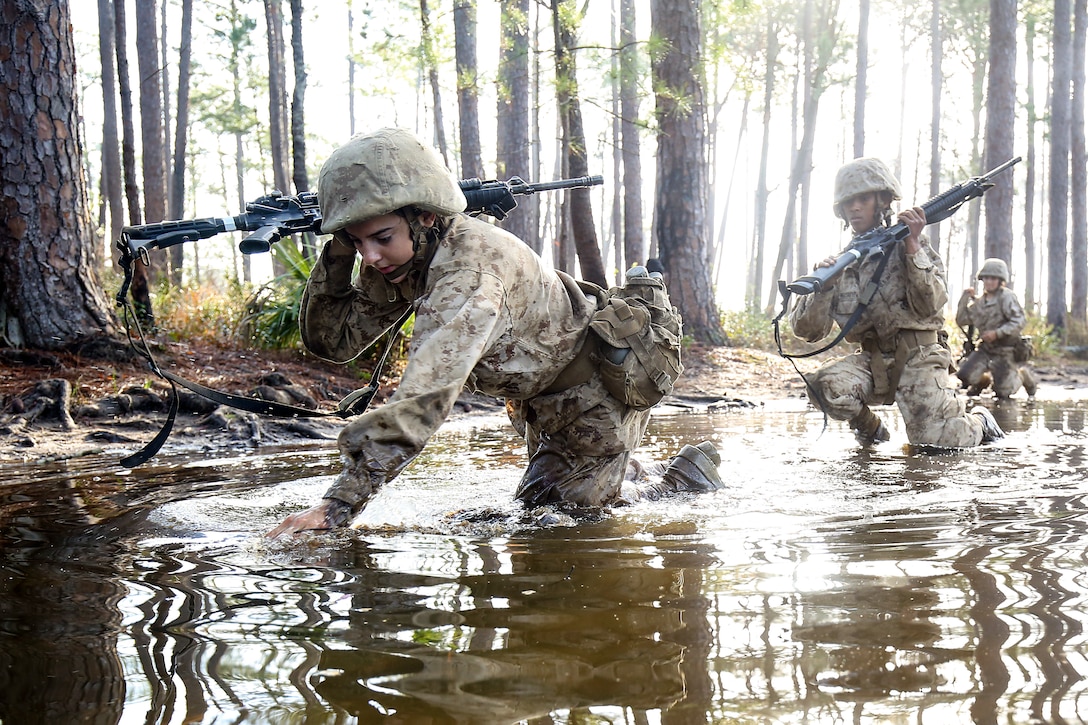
{"x":936,"y":82}
{"x":299,"y":174}
{"x":583,"y":229}
{"x":151,"y":136}
{"x":140,"y":289}
{"x":860,"y":90}
{"x":755,"y":284}
{"x":1058,"y":217}
{"x":464,"y":24}
{"x":111,"y":150}
{"x":50,"y":293}
{"x":634,"y":236}
{"x":1000,"y":124}
{"x":1079,"y":175}
{"x":430,"y":66}
{"x":1029,"y":172}
{"x":512,"y":116}
{"x":181,"y":131}
{"x":681,"y":213}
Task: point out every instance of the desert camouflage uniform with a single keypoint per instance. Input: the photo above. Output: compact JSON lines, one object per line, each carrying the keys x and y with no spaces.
{"x":1001,"y":312}
{"x":904,"y":320}
{"x":490,"y":317}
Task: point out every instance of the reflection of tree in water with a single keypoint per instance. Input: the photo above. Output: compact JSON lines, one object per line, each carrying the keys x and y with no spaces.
{"x":545,"y":624}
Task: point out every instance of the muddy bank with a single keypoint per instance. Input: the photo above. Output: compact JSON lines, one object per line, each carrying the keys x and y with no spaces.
{"x":56,"y":406}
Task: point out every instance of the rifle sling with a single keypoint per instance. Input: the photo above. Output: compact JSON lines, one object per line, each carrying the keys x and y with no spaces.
{"x":355,"y":403}
{"x":863,"y":303}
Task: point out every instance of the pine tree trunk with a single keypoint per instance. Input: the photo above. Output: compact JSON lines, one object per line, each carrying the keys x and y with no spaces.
{"x":49,"y":288}
{"x":181,"y":133}
{"x":1029,"y":173}
{"x":464,"y":24}
{"x":141,"y":290}
{"x":634,"y":235}
{"x":1057,"y":244}
{"x":583,"y":229}
{"x":1078,"y":180}
{"x":681,"y":210}
{"x":512,"y":115}
{"x":111,"y":149}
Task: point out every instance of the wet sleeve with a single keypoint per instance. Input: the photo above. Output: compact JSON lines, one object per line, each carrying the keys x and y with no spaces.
{"x":811,"y":317}
{"x":453,"y":330}
{"x":338,"y":320}
{"x":926,"y":290}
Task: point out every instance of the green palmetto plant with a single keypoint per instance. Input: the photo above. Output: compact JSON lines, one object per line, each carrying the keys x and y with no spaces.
{"x":271,"y":318}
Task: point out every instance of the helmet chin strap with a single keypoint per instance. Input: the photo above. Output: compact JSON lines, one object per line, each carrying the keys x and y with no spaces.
{"x":424,"y":243}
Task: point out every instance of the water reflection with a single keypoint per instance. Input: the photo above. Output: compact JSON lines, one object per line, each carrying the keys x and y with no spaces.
{"x":826,"y":584}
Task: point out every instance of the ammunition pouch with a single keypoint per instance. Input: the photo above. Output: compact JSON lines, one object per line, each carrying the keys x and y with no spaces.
{"x":1024,"y":349}
{"x":639,"y":332}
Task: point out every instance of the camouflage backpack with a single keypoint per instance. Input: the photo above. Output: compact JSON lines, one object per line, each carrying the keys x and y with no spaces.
{"x":640,"y":334}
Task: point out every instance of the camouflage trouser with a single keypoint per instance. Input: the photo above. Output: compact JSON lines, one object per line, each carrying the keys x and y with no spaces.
{"x":999,"y":363}
{"x":579,"y":443}
{"x":932,"y":413}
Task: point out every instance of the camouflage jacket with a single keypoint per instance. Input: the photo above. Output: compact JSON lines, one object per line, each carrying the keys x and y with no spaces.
{"x":489,"y":315}
{"x":999,"y":311}
{"x":911,"y":296}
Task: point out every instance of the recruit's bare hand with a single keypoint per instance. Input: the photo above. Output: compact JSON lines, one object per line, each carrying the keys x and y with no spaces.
{"x":970,"y":292}
{"x":988,"y":336}
{"x":328,"y":514}
{"x":915,"y":219}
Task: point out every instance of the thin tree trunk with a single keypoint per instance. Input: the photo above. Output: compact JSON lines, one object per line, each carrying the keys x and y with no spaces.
{"x":936,"y":81}
{"x":634,"y":236}
{"x":464,"y":23}
{"x":860,"y":90}
{"x":141,"y":286}
{"x":512,"y":150}
{"x":111,"y":153}
{"x":1000,"y":125}
{"x":181,"y":132}
{"x":1079,"y":176}
{"x":277,"y":95}
{"x":351,"y":71}
{"x":1029,"y":172}
{"x":1057,"y":243}
{"x":430,"y":65}
{"x":755,"y":281}
{"x":152,"y":135}
{"x":583,"y":228}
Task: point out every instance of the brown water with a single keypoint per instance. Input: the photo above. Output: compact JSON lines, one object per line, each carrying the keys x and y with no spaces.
{"x":826,"y":584}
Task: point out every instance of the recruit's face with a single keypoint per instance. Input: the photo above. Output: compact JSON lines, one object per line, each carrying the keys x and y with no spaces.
{"x":862,"y":211}
{"x":990,"y":284}
{"x":385,"y":242}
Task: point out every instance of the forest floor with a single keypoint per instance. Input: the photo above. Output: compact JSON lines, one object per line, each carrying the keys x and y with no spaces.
{"x":55,"y":406}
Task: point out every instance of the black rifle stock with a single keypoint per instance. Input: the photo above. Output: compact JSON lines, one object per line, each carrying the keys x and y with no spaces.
{"x":275,"y":216}
{"x":880,"y":239}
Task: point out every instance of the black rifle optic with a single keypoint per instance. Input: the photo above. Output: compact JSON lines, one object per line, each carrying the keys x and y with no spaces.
{"x":276,"y":215}
{"x":880,"y":239}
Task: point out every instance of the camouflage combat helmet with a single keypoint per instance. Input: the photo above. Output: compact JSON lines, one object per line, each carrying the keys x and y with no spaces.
{"x":994,"y":267}
{"x":380,"y":172}
{"x":861,"y":176}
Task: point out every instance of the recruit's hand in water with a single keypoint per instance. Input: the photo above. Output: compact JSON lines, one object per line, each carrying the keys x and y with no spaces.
{"x":328,"y":514}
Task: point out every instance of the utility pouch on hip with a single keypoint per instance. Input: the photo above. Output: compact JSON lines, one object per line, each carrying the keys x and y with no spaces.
{"x":1024,"y":349}
{"x":639,"y":333}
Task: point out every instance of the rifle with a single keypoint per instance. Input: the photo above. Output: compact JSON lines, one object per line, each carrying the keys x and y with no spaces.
{"x":276,"y":215}
{"x":881,"y":239}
